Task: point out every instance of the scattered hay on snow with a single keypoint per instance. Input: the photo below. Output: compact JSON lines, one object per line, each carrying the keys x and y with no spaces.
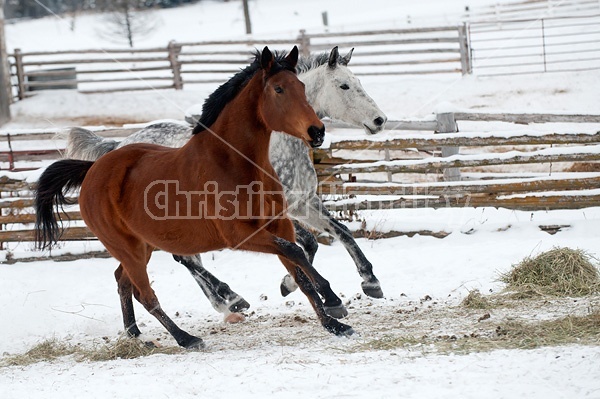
{"x":45,"y":351}
{"x":559,"y":272}
{"x":122,"y":348}
{"x":125,"y":348}
{"x":475,"y":300}
{"x":510,"y":334}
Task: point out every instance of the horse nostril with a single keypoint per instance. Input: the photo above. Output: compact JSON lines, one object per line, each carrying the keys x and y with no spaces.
{"x":379,"y":121}
{"x":322,"y":131}
{"x":317,"y":134}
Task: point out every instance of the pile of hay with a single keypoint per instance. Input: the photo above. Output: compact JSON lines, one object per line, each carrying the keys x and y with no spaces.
{"x":560,"y":271}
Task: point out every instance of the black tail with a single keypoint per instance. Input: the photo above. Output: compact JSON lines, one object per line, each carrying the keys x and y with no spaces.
{"x":54,"y":183}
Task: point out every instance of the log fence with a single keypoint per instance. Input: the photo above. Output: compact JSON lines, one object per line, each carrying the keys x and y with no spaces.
{"x":384,"y":52}
{"x":345,"y":178}
{"x":482,"y":47}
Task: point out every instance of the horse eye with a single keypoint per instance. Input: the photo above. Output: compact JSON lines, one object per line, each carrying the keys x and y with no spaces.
{"x":344,"y":87}
{"x":278,"y":89}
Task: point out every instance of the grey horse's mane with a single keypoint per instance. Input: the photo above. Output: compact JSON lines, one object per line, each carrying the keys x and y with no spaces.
{"x":312,"y":61}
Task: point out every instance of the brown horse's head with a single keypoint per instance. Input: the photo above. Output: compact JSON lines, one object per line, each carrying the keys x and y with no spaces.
{"x":283,"y":106}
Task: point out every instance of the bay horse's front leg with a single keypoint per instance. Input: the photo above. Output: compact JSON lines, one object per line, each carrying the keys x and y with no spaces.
{"x":312,"y":284}
{"x":319,"y":218}
{"x":220,"y":296}
{"x":333,"y":304}
{"x":310,"y":281}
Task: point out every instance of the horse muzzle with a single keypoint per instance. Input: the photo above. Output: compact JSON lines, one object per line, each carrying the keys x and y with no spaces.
{"x":317,"y":135}
{"x":376,"y":125}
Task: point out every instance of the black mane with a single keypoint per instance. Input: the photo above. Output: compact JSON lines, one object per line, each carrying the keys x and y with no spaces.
{"x":214,"y":103}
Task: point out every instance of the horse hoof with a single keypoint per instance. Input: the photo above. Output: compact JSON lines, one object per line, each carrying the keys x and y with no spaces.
{"x":339,"y":329}
{"x":337,"y":312}
{"x":239,"y":306}
{"x":372,"y":289}
{"x":346,"y":332}
{"x":233,"y":318}
{"x":133,"y":331}
{"x":151,"y":344}
{"x":288,"y":285}
{"x":194,"y":344}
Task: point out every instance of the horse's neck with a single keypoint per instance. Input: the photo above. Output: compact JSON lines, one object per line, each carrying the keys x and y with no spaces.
{"x":312,"y":82}
{"x":238,"y":134}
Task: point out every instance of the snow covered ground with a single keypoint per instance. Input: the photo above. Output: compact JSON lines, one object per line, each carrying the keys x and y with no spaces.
{"x":280,"y":350}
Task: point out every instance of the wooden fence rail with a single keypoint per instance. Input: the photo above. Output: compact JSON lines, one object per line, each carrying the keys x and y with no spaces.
{"x":383,"y":52}
{"x":479,"y":46}
{"x":345,"y":177}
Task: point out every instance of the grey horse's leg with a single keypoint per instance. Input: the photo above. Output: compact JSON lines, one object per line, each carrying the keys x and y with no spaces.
{"x":309,"y":243}
{"x":221,"y":297}
{"x":306,"y":240}
{"x":316,"y":216}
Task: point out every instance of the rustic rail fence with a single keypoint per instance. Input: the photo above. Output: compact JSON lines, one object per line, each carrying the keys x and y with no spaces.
{"x":492,"y":47}
{"x":413,"y":151}
{"x":343,"y":171}
{"x":383,"y":52}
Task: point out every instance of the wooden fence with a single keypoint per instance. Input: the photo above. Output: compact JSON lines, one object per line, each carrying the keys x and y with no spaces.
{"x":549,"y":170}
{"x":562,"y":172}
{"x":384,"y":52}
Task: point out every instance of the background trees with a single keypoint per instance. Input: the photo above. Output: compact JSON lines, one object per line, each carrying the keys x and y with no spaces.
{"x":33,"y":9}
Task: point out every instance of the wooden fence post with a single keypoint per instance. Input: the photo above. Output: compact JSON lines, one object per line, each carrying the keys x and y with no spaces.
{"x":174,"y":50}
{"x":5,"y":88}
{"x":247,"y":17}
{"x":20,"y":73}
{"x":465,"y":51}
{"x":304,"y":43}
{"x":447,"y":124}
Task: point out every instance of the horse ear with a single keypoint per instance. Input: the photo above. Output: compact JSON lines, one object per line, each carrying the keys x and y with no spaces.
{"x":292,"y":57}
{"x":266,"y":59}
{"x":333,"y":57}
{"x":346,"y":59}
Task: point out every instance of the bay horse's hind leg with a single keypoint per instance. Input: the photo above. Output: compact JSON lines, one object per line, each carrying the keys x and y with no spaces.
{"x":220,"y":296}
{"x":125,"y":290}
{"x":134,"y":257}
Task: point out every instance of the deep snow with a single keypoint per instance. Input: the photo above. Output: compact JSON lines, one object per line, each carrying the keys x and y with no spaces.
{"x":280,"y":350}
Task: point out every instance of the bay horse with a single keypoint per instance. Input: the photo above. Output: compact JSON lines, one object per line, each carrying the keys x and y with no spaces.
{"x":333,"y":91}
{"x":217,"y":191}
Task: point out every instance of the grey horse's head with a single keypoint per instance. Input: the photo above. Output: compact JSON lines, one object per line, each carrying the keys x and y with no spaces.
{"x":334,"y":91}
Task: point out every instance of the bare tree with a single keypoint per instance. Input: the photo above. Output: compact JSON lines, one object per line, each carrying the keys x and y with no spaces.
{"x":124,"y":22}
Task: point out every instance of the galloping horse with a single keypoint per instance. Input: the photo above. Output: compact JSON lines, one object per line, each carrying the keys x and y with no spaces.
{"x":217,"y":191}
{"x":333,"y":91}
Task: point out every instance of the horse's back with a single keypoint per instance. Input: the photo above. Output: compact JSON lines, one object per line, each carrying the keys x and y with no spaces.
{"x":168,"y":134}
{"x":118,"y":178}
